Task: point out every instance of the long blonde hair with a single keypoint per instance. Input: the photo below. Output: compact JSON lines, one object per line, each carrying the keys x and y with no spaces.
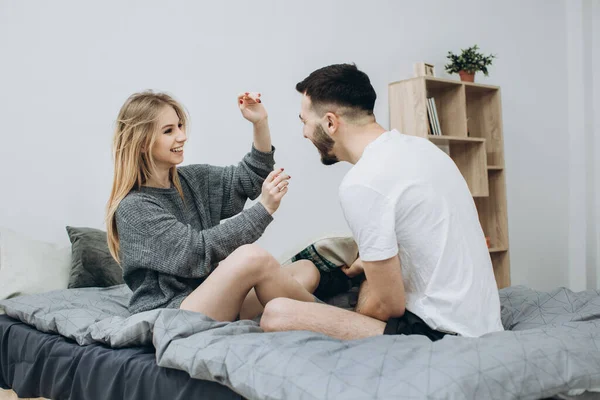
{"x":136,"y":130}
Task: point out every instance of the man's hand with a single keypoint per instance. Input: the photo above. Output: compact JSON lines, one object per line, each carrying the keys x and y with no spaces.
{"x":251,"y":107}
{"x":355,"y":269}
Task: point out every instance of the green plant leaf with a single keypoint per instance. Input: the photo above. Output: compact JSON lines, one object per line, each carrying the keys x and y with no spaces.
{"x":470,"y":60}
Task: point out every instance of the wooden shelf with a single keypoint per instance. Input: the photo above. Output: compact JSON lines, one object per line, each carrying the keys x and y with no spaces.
{"x":478,"y":87}
{"x":501,"y":265}
{"x":493,"y":217}
{"x":469,"y":156}
{"x":470,"y":118}
{"x":456,"y":139}
{"x":484,"y":120}
{"x":450,"y":82}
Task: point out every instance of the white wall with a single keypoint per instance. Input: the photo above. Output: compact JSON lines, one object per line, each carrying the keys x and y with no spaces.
{"x":68,"y":66}
{"x":584,"y":139}
{"x":592,"y":262}
{"x":595,"y":158}
{"x":577,"y":101}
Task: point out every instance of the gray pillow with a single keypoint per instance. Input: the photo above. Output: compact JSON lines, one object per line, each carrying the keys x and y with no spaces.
{"x":92,"y":263}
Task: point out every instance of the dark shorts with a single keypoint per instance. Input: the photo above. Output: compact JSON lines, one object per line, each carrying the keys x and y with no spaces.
{"x":411,"y":324}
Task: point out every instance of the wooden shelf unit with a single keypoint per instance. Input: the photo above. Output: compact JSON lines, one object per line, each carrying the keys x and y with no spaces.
{"x":470,"y":116}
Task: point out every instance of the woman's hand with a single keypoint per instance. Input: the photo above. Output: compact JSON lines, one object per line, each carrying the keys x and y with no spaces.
{"x":251,"y":107}
{"x":274,"y":188}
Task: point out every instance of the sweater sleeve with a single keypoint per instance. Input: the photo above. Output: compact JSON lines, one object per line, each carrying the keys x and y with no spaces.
{"x":152,"y":238}
{"x":243,"y":181}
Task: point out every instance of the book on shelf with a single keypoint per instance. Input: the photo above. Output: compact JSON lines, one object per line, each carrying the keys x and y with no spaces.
{"x":436,"y":118}
{"x":432,"y":128}
{"x":433,"y":117}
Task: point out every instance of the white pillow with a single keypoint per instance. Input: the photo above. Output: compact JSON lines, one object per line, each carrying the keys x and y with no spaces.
{"x":337,"y":249}
{"x":30,"y":266}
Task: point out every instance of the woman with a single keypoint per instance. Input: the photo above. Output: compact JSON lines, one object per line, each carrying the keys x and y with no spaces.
{"x":164,"y":222}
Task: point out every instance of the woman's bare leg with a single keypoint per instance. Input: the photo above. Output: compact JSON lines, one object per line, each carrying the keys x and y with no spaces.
{"x":221,"y":295}
{"x":304,"y":271}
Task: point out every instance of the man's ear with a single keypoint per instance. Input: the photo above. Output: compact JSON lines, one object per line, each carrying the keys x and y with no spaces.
{"x":332,"y":123}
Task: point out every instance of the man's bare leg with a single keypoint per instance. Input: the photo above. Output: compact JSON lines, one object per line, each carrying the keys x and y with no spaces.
{"x":283,"y":314}
{"x":303,"y":271}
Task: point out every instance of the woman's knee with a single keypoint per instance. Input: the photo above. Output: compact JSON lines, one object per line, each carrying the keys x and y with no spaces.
{"x":253,"y":259}
{"x":308,"y":275}
{"x":278,"y":314}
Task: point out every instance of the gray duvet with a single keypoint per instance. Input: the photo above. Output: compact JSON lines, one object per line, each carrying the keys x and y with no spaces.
{"x":551,"y":346}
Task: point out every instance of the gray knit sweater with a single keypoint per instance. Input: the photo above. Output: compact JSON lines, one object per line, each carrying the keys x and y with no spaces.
{"x":169,"y":246}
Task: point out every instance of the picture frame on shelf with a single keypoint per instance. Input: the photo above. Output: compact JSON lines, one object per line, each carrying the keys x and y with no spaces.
{"x":424,"y":69}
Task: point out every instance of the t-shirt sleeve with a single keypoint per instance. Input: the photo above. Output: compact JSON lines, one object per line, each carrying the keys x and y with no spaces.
{"x":371,"y":218}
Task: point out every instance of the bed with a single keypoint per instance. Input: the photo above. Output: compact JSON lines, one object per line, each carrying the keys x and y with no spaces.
{"x":35,"y":363}
{"x":81,"y":343}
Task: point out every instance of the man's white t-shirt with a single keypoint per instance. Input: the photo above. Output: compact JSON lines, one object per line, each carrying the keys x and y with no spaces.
{"x":406,"y":197}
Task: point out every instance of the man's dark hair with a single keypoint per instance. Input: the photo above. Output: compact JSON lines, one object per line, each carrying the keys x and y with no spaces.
{"x":339,"y":84}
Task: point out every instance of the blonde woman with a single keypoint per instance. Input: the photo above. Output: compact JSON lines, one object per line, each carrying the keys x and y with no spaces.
{"x":164,"y":222}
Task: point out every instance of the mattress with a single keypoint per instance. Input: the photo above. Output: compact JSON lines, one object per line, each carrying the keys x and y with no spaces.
{"x":36,"y":364}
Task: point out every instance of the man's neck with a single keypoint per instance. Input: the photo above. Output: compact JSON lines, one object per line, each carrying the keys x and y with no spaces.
{"x":357,"y":138}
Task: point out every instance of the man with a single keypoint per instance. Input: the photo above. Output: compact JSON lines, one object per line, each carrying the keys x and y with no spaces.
{"x":421,"y":246}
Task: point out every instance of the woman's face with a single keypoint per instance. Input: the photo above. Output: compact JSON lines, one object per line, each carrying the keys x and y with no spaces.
{"x":168,"y":148}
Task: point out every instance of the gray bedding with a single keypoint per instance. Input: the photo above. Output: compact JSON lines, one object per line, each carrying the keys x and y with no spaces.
{"x":551,"y":346}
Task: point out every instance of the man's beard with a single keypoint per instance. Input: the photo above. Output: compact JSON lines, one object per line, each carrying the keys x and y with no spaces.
{"x":324,"y":144}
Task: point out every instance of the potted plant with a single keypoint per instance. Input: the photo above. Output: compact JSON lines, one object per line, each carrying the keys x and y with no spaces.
{"x":468,"y":63}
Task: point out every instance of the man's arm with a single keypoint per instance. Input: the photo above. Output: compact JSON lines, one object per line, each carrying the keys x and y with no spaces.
{"x":371,"y":217}
{"x":382,"y":294}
